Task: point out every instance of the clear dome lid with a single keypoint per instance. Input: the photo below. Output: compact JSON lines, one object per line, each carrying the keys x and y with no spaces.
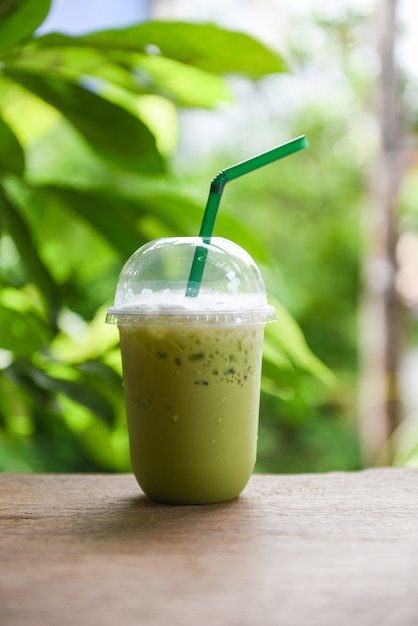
{"x":153,"y":284}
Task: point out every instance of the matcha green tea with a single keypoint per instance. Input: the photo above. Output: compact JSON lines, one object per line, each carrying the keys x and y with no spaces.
{"x":191,"y":312}
{"x":191,"y":367}
{"x":192,"y":400}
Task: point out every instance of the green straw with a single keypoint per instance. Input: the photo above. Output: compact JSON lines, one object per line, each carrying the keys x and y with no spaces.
{"x":215,"y":194}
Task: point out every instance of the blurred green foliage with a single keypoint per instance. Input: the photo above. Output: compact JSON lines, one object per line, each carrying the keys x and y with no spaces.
{"x":87,"y":129}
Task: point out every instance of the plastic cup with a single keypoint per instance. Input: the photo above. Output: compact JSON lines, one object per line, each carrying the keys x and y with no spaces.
{"x":191,"y":368}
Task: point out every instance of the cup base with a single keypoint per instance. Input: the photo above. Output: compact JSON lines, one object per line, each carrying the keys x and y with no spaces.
{"x":192,"y":491}
{"x":182,"y":500}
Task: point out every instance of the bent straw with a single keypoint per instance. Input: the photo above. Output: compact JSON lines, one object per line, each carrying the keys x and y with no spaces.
{"x":215,"y":194}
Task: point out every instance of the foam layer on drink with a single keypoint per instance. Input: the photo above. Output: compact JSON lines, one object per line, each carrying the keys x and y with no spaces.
{"x":149,"y":306}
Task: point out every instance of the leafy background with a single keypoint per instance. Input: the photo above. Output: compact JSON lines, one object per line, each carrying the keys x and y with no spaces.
{"x":89,"y":170}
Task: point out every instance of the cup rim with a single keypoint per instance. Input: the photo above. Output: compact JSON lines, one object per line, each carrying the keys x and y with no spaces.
{"x":131,"y":316}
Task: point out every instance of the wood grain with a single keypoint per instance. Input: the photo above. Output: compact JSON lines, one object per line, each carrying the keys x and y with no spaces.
{"x":320,"y":549}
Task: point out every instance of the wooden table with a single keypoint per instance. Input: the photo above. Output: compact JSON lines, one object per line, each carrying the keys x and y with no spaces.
{"x":317,"y":549}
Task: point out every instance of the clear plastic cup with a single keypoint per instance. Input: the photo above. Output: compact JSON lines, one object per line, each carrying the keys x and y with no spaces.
{"x":191,"y":368}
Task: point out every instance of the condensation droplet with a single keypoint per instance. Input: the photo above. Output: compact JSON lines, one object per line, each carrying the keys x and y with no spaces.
{"x":219,"y":420}
{"x":175,"y":417}
{"x":213,"y":441}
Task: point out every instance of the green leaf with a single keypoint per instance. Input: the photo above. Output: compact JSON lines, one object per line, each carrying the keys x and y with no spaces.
{"x":116,"y":218}
{"x":134,"y":72}
{"x":207,"y":46}
{"x":285,"y":339}
{"x":12,"y":158}
{"x":111,"y":129}
{"x":33,"y":264}
{"x":80,"y":391}
{"x":119,"y":216}
{"x":188,"y":85}
{"x":19,"y":19}
{"x":26,"y":332}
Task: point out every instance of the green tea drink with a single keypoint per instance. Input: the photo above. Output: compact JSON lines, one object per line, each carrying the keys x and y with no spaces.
{"x":191,"y":313}
{"x":192,"y":400}
{"x":191,"y":366}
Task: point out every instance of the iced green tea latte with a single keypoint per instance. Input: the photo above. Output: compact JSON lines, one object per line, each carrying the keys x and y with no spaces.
{"x":191,"y":367}
{"x":192,"y":400}
{"x":191,"y":312}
